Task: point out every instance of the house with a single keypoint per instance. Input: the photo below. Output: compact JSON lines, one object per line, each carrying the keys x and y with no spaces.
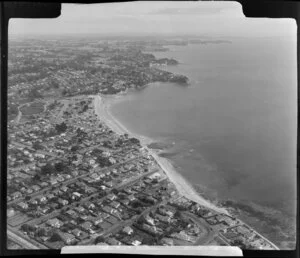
{"x":64,"y":189}
{"x":53,"y":181}
{"x":115,"y":204}
{"x":229,"y":221}
{"x":36,"y":188}
{"x":89,"y":190}
{"x":136,"y":242}
{"x":105,"y":215}
{"x":72,"y":214}
{"x":84,"y":217}
{"x":147,"y":181}
{"x":60,"y":178}
{"x":43,"y":184}
{"x":103,"y":187}
{"x":23,"y":205}
{"x":164,"y":219}
{"x":125,"y":202}
{"x":16,"y":195}
{"x":89,"y":205}
{"x":127,"y":190}
{"x":76,"y":196}
{"x":44,"y":210}
{"x":111,"y":197}
{"x":183,"y":236}
{"x":10,"y":213}
{"x":54,"y":205}
{"x":127,"y":230}
{"x":155,"y":175}
{"x":107,"y":209}
{"x":113,"y":241}
{"x":74,"y":173}
{"x":112,"y":220}
{"x":149,"y":220}
{"x":87,"y":225}
{"x":95,"y":176}
{"x":109,"y":184}
{"x":50,"y":196}
{"x":97,"y":220}
{"x":152,"y":230}
{"x":56,"y":223}
{"x":131,"y":197}
{"x":166,"y":212}
{"x":57,"y":192}
{"x":102,"y":243}
{"x":63,"y":202}
{"x":29,"y":190}
{"x":79,"y":234}
{"x":67,"y":238}
{"x":33,"y":202}
{"x":167,"y":241}
{"x":66,"y":176}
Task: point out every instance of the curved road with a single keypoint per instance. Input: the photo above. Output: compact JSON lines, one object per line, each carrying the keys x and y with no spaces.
{"x":207,"y":234}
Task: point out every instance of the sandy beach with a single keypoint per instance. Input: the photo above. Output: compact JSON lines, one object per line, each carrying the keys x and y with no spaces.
{"x":102,"y":108}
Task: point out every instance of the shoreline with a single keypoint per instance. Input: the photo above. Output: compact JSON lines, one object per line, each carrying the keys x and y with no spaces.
{"x":102,"y":106}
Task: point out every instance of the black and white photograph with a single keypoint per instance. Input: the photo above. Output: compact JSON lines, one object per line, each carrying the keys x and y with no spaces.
{"x":152,"y":123}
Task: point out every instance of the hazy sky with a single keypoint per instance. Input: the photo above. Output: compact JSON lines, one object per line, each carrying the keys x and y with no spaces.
{"x":148,"y":18}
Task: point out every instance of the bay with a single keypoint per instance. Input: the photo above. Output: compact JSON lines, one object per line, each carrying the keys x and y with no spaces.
{"x":232,"y":132}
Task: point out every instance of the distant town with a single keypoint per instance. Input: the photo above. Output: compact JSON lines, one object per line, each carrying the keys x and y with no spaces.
{"x":71,"y":179}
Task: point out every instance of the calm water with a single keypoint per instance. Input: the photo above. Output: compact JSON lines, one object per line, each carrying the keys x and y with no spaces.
{"x":234,"y":129}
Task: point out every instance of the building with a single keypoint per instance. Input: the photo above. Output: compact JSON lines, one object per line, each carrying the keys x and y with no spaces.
{"x":67,"y":238}
{"x":23,"y":205}
{"x":112,"y":241}
{"x":167,"y":241}
{"x":149,"y":220}
{"x":127,"y":230}
{"x":56,"y":223}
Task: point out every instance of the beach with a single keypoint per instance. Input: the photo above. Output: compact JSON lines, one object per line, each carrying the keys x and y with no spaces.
{"x":102,"y":108}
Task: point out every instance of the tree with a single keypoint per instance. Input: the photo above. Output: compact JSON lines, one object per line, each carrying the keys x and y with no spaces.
{"x":114,"y":191}
{"x":64,"y":92}
{"x":47,"y":169}
{"x":134,"y":141}
{"x":103,"y":161}
{"x":55,"y":237}
{"x":41,"y":232}
{"x":61,"y":128}
{"x":27,"y":228}
{"x":99,"y":239}
{"x":59,"y":167}
{"x":34,"y":94}
{"x":37,"y":146}
{"x":54,"y":84}
{"x":85,"y":108}
{"x":74,"y":148}
{"x":36,"y":177}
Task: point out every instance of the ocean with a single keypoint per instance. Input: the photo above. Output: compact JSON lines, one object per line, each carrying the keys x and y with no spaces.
{"x":232,"y":131}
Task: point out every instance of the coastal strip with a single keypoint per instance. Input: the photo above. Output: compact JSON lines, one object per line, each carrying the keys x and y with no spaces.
{"x":102,"y":109}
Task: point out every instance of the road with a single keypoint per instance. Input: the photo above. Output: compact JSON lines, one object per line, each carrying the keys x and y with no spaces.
{"x":115,"y":228}
{"x":69,"y":181}
{"x":207,"y":234}
{"x":57,"y":212}
{"x":20,"y":241}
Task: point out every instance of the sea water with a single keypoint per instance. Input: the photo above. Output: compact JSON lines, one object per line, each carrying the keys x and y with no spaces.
{"x":232,"y":131}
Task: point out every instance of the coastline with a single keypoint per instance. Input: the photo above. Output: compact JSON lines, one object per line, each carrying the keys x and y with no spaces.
{"x":102,"y":108}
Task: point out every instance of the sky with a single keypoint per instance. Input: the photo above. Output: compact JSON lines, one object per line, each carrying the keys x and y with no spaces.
{"x":212,"y":18}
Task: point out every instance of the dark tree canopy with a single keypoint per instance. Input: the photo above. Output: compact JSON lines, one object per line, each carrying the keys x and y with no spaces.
{"x":61,"y":128}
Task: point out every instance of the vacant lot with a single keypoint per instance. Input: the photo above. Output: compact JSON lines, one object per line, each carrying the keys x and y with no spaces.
{"x":33,"y":108}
